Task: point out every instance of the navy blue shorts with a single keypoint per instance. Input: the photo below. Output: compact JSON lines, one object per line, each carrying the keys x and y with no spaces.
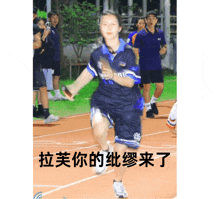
{"x":151,"y":76}
{"x":56,"y":68}
{"x":127,"y":123}
{"x":38,"y":77}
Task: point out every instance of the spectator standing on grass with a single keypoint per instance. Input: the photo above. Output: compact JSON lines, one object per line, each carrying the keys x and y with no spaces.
{"x":46,"y":57}
{"x":117,"y":99}
{"x":53,"y":17}
{"x":39,"y":82}
{"x":138,"y":25}
{"x":149,"y":45}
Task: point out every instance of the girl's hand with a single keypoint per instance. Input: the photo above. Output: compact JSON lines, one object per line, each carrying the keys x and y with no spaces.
{"x":107,"y":71}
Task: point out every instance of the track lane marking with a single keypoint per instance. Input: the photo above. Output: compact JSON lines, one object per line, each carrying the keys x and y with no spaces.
{"x":60,"y":133}
{"x":85,"y":114}
{"x":87,"y":147}
{"x":90,"y":178}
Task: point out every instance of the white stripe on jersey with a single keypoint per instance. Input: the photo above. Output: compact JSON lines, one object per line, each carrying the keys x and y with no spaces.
{"x":132,"y":73}
{"x":92,"y":69}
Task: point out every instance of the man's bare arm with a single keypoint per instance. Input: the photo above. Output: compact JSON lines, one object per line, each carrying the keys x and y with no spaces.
{"x":136,"y":52}
{"x":37,"y":41}
{"x":163,"y":50}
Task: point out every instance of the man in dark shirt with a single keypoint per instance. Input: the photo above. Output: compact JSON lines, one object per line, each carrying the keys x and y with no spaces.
{"x":149,"y":45}
{"x":53,"y":17}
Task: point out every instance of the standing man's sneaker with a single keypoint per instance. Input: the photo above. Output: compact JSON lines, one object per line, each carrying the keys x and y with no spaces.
{"x":103,"y":160}
{"x":51,"y":97}
{"x":59,"y":97}
{"x":150,"y":114}
{"x":51,"y":118}
{"x":119,"y":190}
{"x":154,"y":108}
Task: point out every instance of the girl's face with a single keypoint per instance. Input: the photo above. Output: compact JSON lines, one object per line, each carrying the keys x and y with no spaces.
{"x":109,"y":27}
{"x":41,"y":24}
{"x":140,"y":24}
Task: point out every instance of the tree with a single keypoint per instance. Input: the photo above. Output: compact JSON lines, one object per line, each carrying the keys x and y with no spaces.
{"x":80,"y":26}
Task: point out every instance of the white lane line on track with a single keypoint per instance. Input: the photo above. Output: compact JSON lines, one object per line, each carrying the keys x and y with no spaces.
{"x":84,"y":114}
{"x":89,"y":178}
{"x":78,"y":115}
{"x":43,"y":142}
{"x":159,"y":147}
{"x":87,"y":147}
{"x":62,"y":132}
{"x":84,"y":129}
{"x":38,"y":185}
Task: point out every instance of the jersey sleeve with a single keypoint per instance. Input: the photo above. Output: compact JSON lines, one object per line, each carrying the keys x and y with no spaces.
{"x":129,"y":39}
{"x":137,"y":41}
{"x":92,"y":66}
{"x":132,"y":70}
{"x":133,"y":38}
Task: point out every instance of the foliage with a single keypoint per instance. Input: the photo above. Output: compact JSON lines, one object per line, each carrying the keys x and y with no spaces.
{"x":80,"y":26}
{"x":126,"y":8}
{"x":42,"y":14}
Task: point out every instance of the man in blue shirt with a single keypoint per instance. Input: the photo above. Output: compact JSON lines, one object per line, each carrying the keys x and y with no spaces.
{"x":53,"y":17}
{"x":149,"y":45}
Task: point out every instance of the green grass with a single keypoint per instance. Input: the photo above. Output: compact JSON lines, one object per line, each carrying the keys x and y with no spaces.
{"x":81,"y":103}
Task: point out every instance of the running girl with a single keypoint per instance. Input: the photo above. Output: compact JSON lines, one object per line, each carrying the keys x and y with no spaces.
{"x":117,"y":100}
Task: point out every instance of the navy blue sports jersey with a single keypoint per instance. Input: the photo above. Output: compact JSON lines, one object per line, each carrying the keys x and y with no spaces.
{"x":123,"y":64}
{"x":46,"y":58}
{"x":54,"y":35}
{"x":149,"y":46}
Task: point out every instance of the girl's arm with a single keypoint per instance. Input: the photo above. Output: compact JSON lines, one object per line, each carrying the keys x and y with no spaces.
{"x":84,"y":78}
{"x":109,"y":74}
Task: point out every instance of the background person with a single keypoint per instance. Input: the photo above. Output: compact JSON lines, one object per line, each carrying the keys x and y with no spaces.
{"x":172,"y":119}
{"x":46,"y":57}
{"x":39,"y":82}
{"x":138,"y":25}
{"x":53,"y":17}
{"x":34,"y":12}
{"x":149,"y":45}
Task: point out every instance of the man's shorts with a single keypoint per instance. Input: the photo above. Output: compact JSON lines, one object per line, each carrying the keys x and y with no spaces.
{"x":151,"y":76}
{"x":56,"y":68}
{"x":127,"y":123}
{"x":49,"y":78}
{"x":38,"y":77}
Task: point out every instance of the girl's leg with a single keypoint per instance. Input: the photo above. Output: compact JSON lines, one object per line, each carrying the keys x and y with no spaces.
{"x":100,"y":126}
{"x":119,"y":171}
